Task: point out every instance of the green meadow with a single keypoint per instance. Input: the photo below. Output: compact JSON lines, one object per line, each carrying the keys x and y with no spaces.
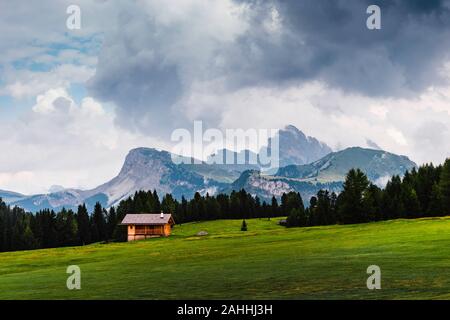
{"x":266,"y":262}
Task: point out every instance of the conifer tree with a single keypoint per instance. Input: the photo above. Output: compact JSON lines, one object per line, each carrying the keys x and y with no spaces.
{"x":111,"y":222}
{"x":98,"y":224}
{"x":351,"y":200}
{"x":244,"y":225}
{"x":444,"y":187}
{"x":84,"y":232}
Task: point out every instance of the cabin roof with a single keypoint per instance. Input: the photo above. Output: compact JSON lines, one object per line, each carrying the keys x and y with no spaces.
{"x":147,"y":218}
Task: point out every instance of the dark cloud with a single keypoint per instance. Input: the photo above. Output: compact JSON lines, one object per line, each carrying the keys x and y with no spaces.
{"x":134,"y":74}
{"x":329,"y":40}
{"x":147,"y":66}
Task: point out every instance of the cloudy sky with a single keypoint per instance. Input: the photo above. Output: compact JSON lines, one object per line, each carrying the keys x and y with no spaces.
{"x":74,"y":102}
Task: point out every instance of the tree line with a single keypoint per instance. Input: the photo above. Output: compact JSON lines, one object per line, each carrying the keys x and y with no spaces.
{"x":422,"y":192}
{"x":21,"y":230}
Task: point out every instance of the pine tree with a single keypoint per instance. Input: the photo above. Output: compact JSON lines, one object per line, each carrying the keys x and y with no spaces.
{"x":244,"y":225}
{"x":29,"y":240}
{"x":372,"y":203}
{"x":311,"y":212}
{"x":425,"y":179}
{"x":98,"y":224}
{"x":84,"y":232}
{"x":111,"y":223}
{"x":156,"y":202}
{"x":324,"y":211}
{"x":435,"y":209}
{"x":410,"y":201}
{"x":351,"y":200}
{"x":66,"y":228}
{"x":392,"y":204}
{"x":235,"y":205}
{"x":274,"y":208}
{"x":444,"y":188}
{"x":168,"y":204}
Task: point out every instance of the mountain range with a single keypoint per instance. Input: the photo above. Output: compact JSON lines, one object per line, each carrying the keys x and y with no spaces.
{"x":326,"y":173}
{"x":376,"y":164}
{"x":306,"y":166}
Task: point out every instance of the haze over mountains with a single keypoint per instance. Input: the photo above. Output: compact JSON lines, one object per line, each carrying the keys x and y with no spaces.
{"x":306,"y":166}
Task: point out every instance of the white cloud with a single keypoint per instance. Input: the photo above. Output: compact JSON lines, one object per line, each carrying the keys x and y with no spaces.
{"x":40,"y":53}
{"x":26,"y":83}
{"x":379,"y":111}
{"x":90,"y":107}
{"x":46,"y":103}
{"x":398,"y":136}
{"x":61,"y":143}
{"x":410,"y":127}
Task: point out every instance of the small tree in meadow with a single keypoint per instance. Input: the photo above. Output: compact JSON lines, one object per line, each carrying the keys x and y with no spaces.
{"x":244,"y":226}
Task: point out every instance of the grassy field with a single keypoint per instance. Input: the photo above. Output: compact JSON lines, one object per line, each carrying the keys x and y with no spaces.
{"x":266,"y":262}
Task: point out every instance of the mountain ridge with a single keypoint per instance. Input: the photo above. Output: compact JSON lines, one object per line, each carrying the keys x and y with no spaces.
{"x":152,"y":169}
{"x":326,"y":173}
{"x":376,"y":164}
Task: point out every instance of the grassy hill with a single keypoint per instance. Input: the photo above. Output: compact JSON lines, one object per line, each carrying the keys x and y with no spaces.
{"x":266,"y":262}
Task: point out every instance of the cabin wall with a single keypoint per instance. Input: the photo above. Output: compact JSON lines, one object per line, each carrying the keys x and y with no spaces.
{"x":167,"y":229}
{"x":142,"y":232}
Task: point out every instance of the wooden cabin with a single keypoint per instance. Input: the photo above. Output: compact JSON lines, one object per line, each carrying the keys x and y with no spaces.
{"x":147,"y":225}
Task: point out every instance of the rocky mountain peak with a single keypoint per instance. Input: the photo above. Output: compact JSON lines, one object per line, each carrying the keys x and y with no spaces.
{"x":141,"y":159}
{"x":297,"y":148}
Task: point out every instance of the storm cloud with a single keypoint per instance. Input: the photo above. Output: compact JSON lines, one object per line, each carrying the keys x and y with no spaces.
{"x":158,"y":58}
{"x":138,"y":69}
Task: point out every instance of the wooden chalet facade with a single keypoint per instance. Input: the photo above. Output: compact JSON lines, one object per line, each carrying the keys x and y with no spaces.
{"x":147,"y":225}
